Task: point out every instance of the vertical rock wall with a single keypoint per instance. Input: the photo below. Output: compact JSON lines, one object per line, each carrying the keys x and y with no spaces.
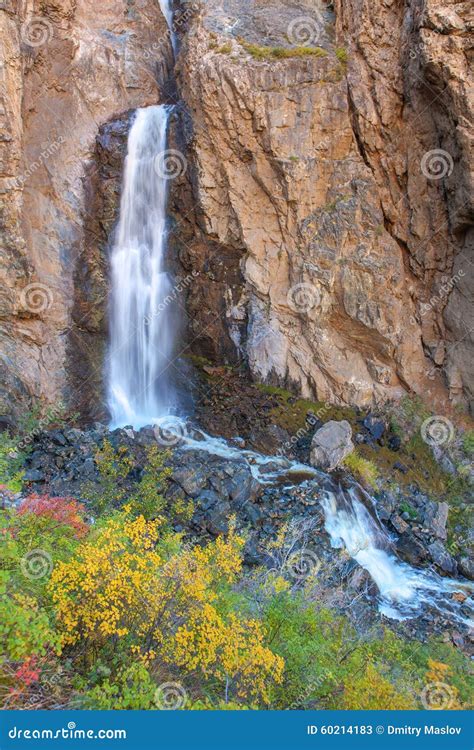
{"x":326,"y":203}
{"x":68,"y":68}
{"x":315,"y":174}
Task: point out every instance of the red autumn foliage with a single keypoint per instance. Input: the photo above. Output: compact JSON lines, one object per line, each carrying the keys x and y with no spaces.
{"x":28,"y":672}
{"x":64,"y":510}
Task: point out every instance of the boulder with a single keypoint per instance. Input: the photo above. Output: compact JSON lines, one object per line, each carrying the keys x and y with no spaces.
{"x":331,"y":444}
{"x":435,"y":517}
{"x":218,"y":521}
{"x":410,"y":549}
{"x":33,"y":475}
{"x":466,"y":567}
{"x":374,"y":426}
{"x":442,"y":559}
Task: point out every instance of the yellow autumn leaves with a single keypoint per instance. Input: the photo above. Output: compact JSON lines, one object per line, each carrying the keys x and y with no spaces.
{"x":167,"y":603}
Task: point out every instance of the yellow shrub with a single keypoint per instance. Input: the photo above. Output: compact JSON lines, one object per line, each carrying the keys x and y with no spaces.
{"x":168,"y":608}
{"x":371,"y":690}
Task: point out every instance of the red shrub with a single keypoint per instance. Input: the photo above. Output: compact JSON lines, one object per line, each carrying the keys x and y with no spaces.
{"x":28,"y":672}
{"x":64,"y":510}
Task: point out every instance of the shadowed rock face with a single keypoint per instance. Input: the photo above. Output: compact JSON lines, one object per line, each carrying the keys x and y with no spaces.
{"x":315,"y":175}
{"x":331,"y":258}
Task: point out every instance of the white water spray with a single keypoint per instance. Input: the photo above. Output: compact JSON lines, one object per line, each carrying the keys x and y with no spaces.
{"x":404,"y":591}
{"x":141,"y":316}
{"x":167,"y":11}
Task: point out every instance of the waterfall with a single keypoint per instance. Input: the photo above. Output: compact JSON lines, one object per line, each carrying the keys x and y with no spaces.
{"x":141,"y":314}
{"x":167,"y":10}
{"x":404,"y":591}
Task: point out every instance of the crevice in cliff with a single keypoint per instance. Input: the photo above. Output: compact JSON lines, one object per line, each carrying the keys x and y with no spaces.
{"x":355,"y":128}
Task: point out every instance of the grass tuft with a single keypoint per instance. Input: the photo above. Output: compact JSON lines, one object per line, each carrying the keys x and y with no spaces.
{"x":261,"y":52}
{"x":365,"y":471}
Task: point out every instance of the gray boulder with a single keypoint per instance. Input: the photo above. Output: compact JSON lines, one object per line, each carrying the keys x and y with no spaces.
{"x":435,"y":517}
{"x":331,"y":444}
{"x":442,"y":559}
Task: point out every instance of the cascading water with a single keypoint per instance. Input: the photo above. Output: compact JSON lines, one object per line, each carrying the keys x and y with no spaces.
{"x":141,"y":316}
{"x":404,"y":591}
{"x":140,"y":391}
{"x":167,"y":10}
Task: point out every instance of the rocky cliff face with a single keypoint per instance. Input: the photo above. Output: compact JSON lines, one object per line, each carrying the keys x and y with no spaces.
{"x":68,"y":68}
{"x":338,"y":186}
{"x":325,"y":203}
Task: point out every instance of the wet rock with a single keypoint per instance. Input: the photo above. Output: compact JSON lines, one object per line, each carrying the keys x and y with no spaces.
{"x":466,"y":567}
{"x":410,"y":549}
{"x":238,"y":442}
{"x":442,"y":558}
{"x":386,"y":504}
{"x":399,"y":524}
{"x":331,"y":444}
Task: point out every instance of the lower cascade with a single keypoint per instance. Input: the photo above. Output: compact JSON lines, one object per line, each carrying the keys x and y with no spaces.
{"x":141,"y":317}
{"x":404,"y":591}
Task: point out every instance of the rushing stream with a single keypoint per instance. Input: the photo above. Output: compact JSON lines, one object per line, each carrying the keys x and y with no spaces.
{"x":140,"y":379}
{"x":404,"y":591}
